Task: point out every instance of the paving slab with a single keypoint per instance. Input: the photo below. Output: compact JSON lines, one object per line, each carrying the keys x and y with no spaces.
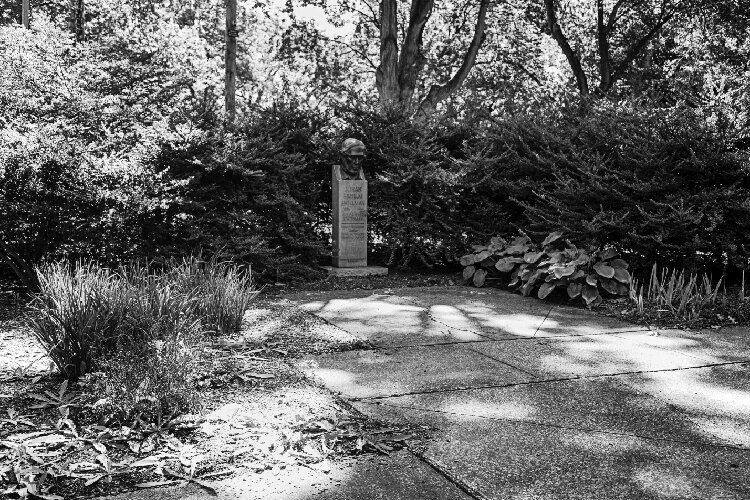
{"x":521,"y":460}
{"x":714,"y":346}
{"x":431,"y":315}
{"x":566,"y":320}
{"x":399,"y":476}
{"x":386,"y":372}
{"x":383,"y":318}
{"x":602,"y":405}
{"x":549,"y":401}
{"x":716,"y":398}
{"x":587,"y":355}
{"x":501,"y":314}
{"x":575,"y":439}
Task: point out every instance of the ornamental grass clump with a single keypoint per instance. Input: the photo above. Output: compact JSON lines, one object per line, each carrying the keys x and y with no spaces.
{"x":676,"y":293}
{"x":221,"y":290}
{"x":87,"y":315}
{"x":80,"y":314}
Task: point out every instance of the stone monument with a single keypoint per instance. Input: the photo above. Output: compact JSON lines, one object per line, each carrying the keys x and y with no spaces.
{"x":349,"y":188}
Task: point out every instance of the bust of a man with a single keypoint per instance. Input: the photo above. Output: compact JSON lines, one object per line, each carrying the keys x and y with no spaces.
{"x":352,"y":157}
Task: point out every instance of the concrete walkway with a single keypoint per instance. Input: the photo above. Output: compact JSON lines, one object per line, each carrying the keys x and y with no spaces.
{"x":531,"y":401}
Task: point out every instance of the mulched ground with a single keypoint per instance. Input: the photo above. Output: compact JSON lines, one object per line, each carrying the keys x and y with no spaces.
{"x":259,"y":413}
{"x":394,"y":279}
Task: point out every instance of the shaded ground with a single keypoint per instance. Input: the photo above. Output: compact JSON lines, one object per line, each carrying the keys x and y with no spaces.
{"x":530,"y":400}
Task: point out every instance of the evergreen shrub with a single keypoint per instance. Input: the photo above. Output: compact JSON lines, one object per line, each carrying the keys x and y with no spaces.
{"x":661,"y":186}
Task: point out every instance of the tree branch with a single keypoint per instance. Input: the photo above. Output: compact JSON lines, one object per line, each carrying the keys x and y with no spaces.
{"x":573,"y":60}
{"x":372,"y":16}
{"x":613,"y":15}
{"x":524,"y":69}
{"x":356,"y":50}
{"x":638,"y":47}
{"x":438,"y":93}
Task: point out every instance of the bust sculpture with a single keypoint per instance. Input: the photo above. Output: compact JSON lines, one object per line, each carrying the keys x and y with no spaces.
{"x":352,"y":157}
{"x":349,"y":213}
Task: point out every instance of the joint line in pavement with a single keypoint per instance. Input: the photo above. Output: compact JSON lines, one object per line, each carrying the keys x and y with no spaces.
{"x":547,"y":381}
{"x":456,"y":481}
{"x":545,"y":319}
{"x":587,"y":430}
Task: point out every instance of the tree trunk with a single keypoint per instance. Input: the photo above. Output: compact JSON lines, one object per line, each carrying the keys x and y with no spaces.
{"x":439,"y":93}
{"x":79,"y":27}
{"x":25,"y":13}
{"x":573,"y":60}
{"x":230,"y":60}
{"x":412,"y":61}
{"x":605,"y":60}
{"x":386,"y":75}
{"x":397,"y":75}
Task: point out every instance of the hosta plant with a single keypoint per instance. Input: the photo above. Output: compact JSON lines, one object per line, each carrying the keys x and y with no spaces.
{"x":556,"y":263}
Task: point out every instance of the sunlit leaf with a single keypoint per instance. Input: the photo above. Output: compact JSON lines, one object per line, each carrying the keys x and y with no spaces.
{"x":532,"y":257}
{"x":551,"y":238}
{"x":604,"y":270}
{"x":479,"y":277}
{"x":468,"y":272}
{"x":467,"y":260}
{"x":622,"y":275}
{"x":505,"y":265}
{"x":545,"y":290}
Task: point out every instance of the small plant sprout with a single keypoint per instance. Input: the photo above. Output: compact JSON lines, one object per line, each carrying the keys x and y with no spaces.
{"x":15,"y":419}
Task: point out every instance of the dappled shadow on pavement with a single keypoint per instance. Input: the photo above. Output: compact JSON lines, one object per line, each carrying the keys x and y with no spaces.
{"x":549,"y":403}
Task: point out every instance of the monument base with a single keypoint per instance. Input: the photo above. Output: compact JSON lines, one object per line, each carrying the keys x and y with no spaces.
{"x":356,"y":271}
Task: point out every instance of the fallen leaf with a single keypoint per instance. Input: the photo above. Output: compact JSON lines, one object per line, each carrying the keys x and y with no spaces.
{"x":399,"y":437}
{"x":94,"y":480}
{"x":211,"y":491}
{"x":259,"y":375}
{"x":217,"y":473}
{"x":146,"y":462}
{"x":154,"y":484}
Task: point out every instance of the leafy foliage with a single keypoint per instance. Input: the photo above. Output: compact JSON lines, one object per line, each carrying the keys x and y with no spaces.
{"x":417,"y":197}
{"x":114,"y":147}
{"x":555,"y":263}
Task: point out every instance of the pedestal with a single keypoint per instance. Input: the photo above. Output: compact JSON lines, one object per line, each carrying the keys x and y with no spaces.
{"x":353,"y":272}
{"x":349,"y":221}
